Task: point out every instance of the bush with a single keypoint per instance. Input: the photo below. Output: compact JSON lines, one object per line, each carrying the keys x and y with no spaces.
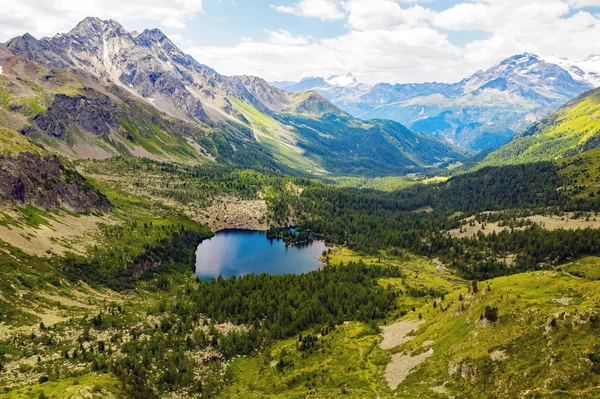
{"x":491,"y":313}
{"x":595,"y":359}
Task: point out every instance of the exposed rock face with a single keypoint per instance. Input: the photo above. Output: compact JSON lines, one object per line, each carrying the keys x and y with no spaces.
{"x":93,"y":113}
{"x":148,"y":64}
{"x":98,"y":114}
{"x":46,"y":183}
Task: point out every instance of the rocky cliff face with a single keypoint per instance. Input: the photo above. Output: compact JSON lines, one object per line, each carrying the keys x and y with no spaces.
{"x":90,"y":112}
{"x":148,"y":65}
{"x":45,"y":182}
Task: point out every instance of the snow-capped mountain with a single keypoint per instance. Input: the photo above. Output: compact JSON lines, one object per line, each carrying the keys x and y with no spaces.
{"x":586,"y":71}
{"x":482,"y":111}
{"x":343,"y":90}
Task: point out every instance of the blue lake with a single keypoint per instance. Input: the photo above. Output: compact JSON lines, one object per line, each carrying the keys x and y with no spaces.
{"x":238,"y":252}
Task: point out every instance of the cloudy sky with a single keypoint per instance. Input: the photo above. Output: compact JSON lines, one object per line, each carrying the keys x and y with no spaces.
{"x":376,"y":40}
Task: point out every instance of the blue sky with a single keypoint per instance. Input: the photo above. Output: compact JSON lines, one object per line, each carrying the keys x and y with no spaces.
{"x":226,"y":22}
{"x":376,"y":40}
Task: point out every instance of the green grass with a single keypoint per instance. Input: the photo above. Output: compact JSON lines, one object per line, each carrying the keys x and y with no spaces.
{"x":419,"y":272}
{"x":345,"y":363}
{"x":538,"y":356}
{"x":388,"y":183}
{"x":88,"y":386}
{"x":581,"y":174}
{"x":348,"y":361}
{"x":540,"y":344}
{"x":35,"y":217}
{"x":588,"y":268}
{"x":566,"y":131}
{"x":154,"y":140}
{"x":269,"y":133}
{"x":12,"y":143}
{"x":28,"y":105}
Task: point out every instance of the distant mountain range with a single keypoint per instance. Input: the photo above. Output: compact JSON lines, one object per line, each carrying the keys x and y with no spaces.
{"x":100,"y":91}
{"x":480,"y":112}
{"x":573,"y":129}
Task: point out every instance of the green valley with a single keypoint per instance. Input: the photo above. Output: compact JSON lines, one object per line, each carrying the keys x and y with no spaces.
{"x":168,"y":231}
{"x":73,"y":321}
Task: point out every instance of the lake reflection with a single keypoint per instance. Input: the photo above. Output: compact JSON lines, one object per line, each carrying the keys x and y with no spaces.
{"x":238,"y":252}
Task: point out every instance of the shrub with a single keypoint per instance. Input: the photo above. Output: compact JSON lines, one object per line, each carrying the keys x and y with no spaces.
{"x":491,"y":313}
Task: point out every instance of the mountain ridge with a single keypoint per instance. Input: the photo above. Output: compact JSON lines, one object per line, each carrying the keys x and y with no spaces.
{"x":244,"y":110}
{"x":483,"y":110}
{"x":571,"y":130}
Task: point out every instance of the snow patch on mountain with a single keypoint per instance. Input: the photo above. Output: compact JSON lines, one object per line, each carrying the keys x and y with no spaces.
{"x":586,"y":71}
{"x":433,"y":99}
{"x":490,"y":97}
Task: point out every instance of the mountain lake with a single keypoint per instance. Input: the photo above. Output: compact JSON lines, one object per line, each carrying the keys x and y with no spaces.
{"x":238,"y":252}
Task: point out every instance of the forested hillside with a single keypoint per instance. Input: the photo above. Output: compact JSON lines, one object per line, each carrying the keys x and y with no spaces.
{"x":570,"y":130}
{"x":190,"y":337}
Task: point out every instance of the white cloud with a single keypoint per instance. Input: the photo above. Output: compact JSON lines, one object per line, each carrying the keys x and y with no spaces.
{"x":374,"y":55}
{"x":515,"y":26}
{"x":326,"y":10}
{"x":492,"y":15}
{"x":584,"y":3}
{"x":401,"y":41}
{"x":286,"y":38}
{"x":46,"y":18}
{"x":173,"y":23}
{"x":384,"y":14}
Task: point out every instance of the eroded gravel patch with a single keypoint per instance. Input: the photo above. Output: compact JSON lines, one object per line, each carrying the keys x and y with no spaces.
{"x":402,"y":365}
{"x":397,"y":333}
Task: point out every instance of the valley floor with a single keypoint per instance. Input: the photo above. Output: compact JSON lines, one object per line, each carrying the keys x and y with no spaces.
{"x":76,"y":323}
{"x":438,"y":343}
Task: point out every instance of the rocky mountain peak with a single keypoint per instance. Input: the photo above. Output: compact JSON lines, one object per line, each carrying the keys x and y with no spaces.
{"x":21,"y":44}
{"x":93,"y":28}
{"x":153,"y":36}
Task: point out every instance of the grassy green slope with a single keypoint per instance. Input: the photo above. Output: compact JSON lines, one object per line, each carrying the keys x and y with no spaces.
{"x":572,"y":129}
{"x":540,"y":346}
{"x":543,"y":344}
{"x":12,"y":143}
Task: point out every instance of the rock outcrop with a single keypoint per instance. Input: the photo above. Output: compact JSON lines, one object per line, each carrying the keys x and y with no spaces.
{"x":44,"y":181}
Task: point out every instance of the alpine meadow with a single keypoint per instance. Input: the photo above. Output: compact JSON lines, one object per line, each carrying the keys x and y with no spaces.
{"x":299,"y":199}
